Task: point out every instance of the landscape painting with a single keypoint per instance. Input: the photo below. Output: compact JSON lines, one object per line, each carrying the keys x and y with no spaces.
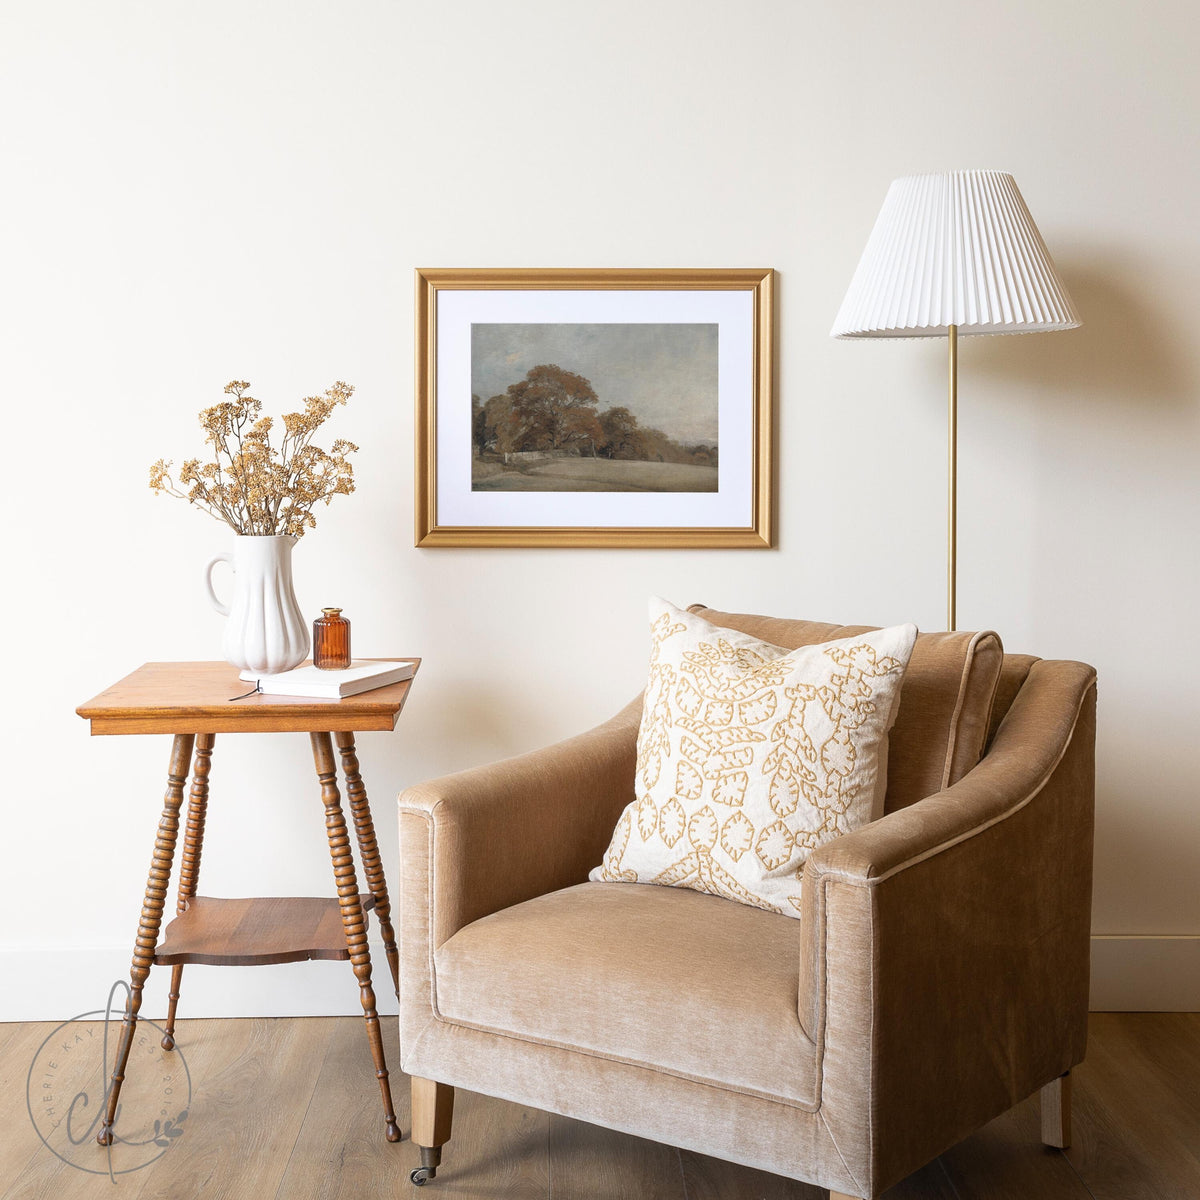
{"x":604,"y":407}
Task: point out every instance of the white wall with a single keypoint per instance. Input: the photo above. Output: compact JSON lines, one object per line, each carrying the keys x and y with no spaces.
{"x":200,"y":192}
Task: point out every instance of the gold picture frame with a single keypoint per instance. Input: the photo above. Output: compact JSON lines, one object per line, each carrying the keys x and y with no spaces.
{"x":484,"y":480}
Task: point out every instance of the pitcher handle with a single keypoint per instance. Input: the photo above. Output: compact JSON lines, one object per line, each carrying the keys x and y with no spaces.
{"x":223,"y":609}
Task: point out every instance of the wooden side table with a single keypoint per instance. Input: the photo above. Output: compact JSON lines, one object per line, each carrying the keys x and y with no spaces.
{"x":192,"y":702}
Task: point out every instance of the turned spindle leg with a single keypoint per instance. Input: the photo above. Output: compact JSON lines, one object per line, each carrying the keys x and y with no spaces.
{"x":368,"y":848}
{"x":353,"y":920}
{"x":151,"y":919}
{"x":189,"y":868}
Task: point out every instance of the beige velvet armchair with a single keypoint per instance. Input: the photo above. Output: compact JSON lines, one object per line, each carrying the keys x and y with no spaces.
{"x":938,"y":974}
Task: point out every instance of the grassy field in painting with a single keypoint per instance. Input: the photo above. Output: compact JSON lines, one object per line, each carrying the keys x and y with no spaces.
{"x":591,"y":475}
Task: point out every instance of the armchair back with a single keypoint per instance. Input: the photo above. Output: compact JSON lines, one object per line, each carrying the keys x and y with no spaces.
{"x":947,"y":706}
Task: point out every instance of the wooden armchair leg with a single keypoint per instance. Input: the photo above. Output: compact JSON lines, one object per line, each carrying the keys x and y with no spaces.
{"x":1056,"y":1112}
{"x":432,"y":1113}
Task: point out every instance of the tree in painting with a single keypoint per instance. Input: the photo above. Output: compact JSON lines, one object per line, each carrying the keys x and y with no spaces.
{"x":493,"y":428}
{"x":620,"y":432}
{"x":555,"y":409}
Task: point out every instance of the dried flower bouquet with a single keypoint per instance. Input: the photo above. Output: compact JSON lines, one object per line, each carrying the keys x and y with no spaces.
{"x":253,"y":486}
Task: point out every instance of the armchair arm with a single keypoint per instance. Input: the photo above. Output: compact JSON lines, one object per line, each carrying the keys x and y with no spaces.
{"x":485,"y":839}
{"x":945,"y":962}
{"x":474,"y":843}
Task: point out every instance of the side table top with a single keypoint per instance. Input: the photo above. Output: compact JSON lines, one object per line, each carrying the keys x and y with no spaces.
{"x":196,"y":697}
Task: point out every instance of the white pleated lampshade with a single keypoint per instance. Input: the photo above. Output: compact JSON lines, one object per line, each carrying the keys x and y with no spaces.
{"x":954,"y":249}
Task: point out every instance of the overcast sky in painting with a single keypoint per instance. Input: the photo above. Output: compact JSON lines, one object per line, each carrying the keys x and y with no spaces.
{"x":666,"y":375}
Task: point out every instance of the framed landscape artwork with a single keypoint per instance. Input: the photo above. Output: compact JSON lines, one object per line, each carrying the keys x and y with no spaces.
{"x":594,"y":408}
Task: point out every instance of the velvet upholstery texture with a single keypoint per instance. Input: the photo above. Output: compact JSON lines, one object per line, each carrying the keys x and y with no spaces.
{"x":937,"y":976}
{"x":657,"y":982}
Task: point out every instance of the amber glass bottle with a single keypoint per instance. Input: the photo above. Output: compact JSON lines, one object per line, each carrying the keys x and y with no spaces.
{"x":331,"y":641}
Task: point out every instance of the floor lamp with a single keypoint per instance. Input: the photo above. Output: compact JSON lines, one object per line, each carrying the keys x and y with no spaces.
{"x":954,"y":253}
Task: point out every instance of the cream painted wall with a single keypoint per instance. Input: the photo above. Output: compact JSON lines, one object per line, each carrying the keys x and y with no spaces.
{"x":199,"y":192}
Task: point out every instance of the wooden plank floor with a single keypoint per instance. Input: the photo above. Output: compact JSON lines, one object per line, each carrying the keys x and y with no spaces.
{"x":289,"y":1109}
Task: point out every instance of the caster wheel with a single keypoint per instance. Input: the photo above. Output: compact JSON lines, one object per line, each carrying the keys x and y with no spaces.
{"x":422,"y":1175}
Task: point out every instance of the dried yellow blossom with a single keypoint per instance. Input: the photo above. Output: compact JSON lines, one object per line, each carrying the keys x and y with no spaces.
{"x":252,"y":486}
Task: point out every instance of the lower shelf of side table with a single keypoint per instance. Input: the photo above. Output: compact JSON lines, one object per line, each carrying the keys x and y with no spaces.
{"x":256,"y":931}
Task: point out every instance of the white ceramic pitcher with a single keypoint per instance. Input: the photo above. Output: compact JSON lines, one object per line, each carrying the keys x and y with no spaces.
{"x":265,"y":630}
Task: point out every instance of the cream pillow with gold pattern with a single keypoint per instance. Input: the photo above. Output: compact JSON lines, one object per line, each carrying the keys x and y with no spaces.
{"x":750,"y":756}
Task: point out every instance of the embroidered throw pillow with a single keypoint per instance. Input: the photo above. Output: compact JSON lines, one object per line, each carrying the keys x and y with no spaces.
{"x":750,"y":756}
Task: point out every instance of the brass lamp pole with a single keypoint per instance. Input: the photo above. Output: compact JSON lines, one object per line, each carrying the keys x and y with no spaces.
{"x":952,"y":502}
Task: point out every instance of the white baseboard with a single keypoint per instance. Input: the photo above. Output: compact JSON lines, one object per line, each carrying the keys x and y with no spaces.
{"x":1145,"y":973}
{"x":1129,"y":974}
{"x":45,"y":985}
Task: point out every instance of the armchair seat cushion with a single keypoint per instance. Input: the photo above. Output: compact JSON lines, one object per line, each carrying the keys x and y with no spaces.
{"x":676,"y":980}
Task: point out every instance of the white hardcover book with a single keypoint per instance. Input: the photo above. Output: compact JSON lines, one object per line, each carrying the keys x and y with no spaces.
{"x":331,"y":685}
